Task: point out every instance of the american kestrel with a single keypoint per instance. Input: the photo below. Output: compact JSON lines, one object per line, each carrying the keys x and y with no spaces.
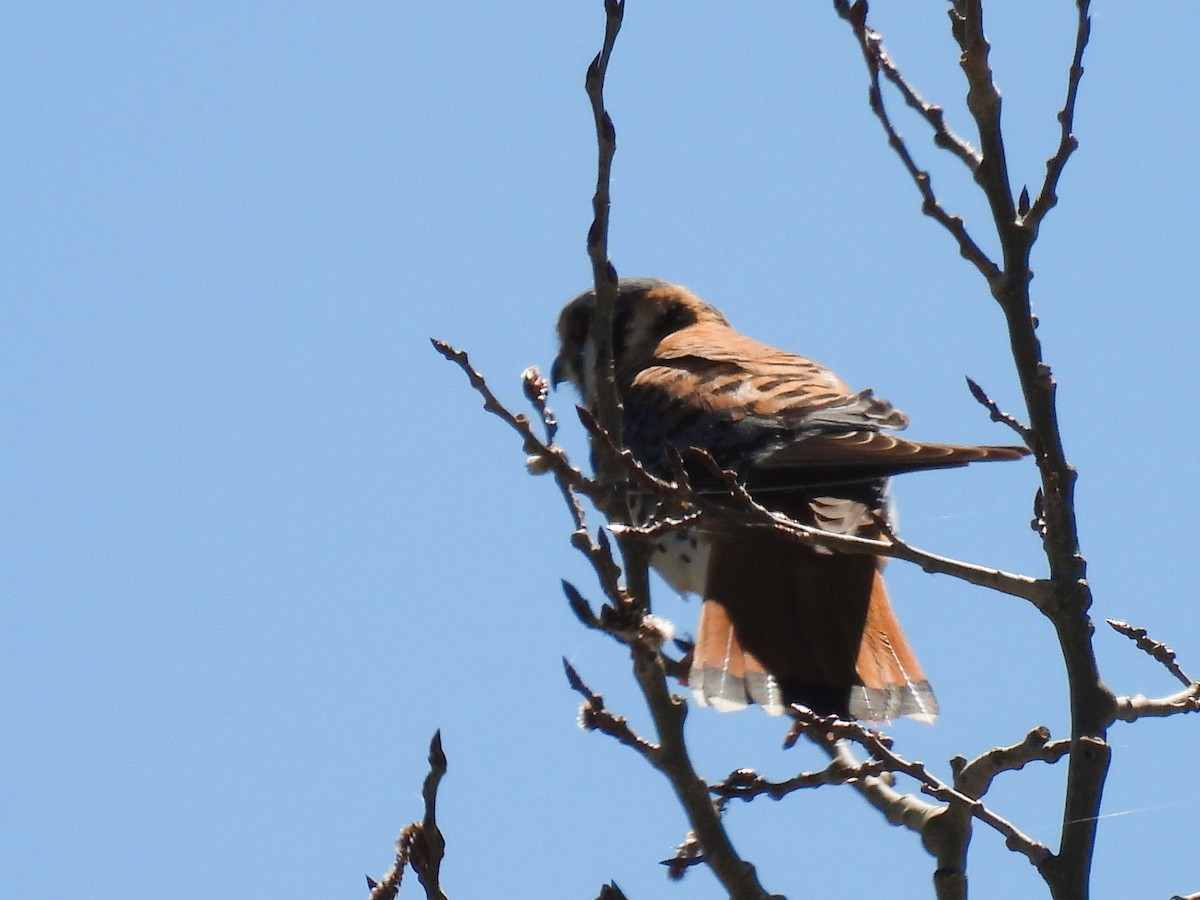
{"x":780,"y":622}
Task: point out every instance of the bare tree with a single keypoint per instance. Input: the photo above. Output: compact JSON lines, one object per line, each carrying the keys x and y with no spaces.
{"x":942,"y":809}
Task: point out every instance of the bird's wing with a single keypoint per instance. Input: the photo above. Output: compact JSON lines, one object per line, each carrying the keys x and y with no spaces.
{"x":754,"y":407}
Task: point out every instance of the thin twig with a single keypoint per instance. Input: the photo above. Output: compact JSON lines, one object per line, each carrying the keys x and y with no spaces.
{"x":688,"y":853}
{"x":999,"y":415}
{"x":537,"y":390}
{"x":879,"y":747}
{"x":610,"y":891}
{"x":746,"y":784}
{"x":897,"y":807}
{"x":1047,"y":197}
{"x":595,"y":716}
{"x":983,"y":102}
{"x":637,"y":476}
{"x":543,"y":457}
{"x":943,"y":136}
{"x":1156,"y":649}
{"x":389,"y":887}
{"x":871,"y":45}
{"x":429,"y":847}
{"x":421,"y":844}
{"x":604,"y":275}
{"x":974,"y":778}
{"x":1130,"y":709}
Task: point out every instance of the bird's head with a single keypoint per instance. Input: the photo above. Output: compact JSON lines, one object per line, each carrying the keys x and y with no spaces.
{"x":647,"y":310}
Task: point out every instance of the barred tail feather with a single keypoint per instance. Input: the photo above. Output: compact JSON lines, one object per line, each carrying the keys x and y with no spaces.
{"x":723,"y":675}
{"x":783,"y":624}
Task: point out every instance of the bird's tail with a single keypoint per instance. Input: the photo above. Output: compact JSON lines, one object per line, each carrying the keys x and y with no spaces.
{"x":783,"y":623}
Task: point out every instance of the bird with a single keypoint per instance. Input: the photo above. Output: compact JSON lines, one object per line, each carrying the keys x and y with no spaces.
{"x":781,"y":622}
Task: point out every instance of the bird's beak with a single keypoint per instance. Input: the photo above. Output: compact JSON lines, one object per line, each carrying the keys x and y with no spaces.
{"x":558,"y":372}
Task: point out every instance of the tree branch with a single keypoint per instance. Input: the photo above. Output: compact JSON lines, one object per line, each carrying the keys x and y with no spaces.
{"x":1016,"y":224}
{"x":1047,"y":197}
{"x":421,"y":844}
{"x":999,"y":415}
{"x":604,"y":275}
{"x":879,"y":747}
{"x":670,"y":757}
{"x":974,"y":778}
{"x":595,"y":716}
{"x":1130,"y":709}
{"x":1156,"y":649}
{"x":542,"y":457}
{"x":668,"y":713}
{"x":746,"y":784}
{"x":871,"y":44}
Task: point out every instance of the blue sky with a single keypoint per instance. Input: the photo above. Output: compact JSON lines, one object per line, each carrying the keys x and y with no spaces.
{"x":260,"y":541}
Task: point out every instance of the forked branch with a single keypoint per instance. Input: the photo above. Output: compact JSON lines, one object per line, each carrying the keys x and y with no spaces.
{"x":1016,"y":222}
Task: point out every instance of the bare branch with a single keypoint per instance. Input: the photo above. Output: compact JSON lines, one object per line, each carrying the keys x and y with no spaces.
{"x":689,"y":853}
{"x":681,"y":496}
{"x":645,"y":637}
{"x":999,"y":415}
{"x":601,"y":556}
{"x":983,"y":101}
{"x":1130,"y":709}
{"x":421,"y":844}
{"x":594,"y":716}
{"x":635,"y":473}
{"x":1048,"y":196}
{"x":974,"y":778}
{"x":604,"y":275}
{"x":871,"y":44}
{"x":1158,"y":650}
{"x":429,"y":846}
{"x":745,"y":784}
{"x":669,"y":713}
{"x":878,"y":56}
{"x":1035,"y":590}
{"x":389,"y":887}
{"x":1092,"y":704}
{"x":879,"y":746}
{"x":537,"y":390}
{"x":671,"y":758}
{"x":542,"y":457}
{"x":625,"y":615}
